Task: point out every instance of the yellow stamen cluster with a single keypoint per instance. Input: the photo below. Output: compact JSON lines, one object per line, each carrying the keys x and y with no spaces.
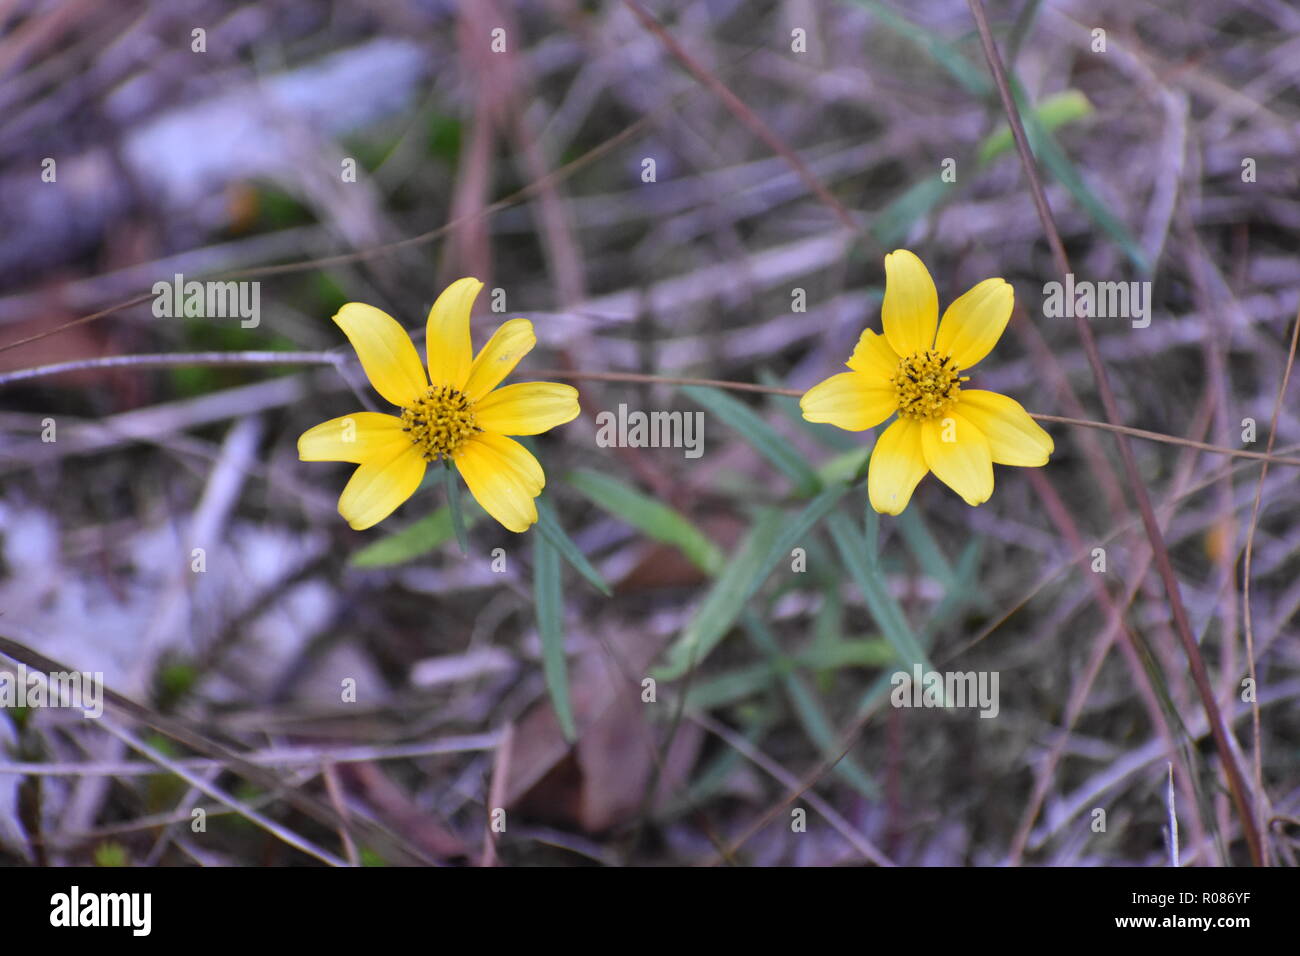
{"x":926,"y":384}
{"x":439,"y":422}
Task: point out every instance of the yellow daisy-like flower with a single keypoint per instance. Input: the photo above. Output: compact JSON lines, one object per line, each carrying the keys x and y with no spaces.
{"x":455,"y":413}
{"x":915,"y":370}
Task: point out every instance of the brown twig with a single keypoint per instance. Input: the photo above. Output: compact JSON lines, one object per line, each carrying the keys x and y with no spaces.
{"x":180,"y":731}
{"x":362,"y":255}
{"x":742,"y":113}
{"x":1258,"y":758}
{"x":231,"y":359}
{"x":1164,"y":566}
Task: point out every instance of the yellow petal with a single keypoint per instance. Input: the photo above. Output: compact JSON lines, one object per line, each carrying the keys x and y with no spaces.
{"x":897,"y":464}
{"x":379,"y":485}
{"x":386,"y":352}
{"x":357,"y":437}
{"x":1014,"y":437}
{"x":447,"y":334}
{"x":508,"y":345}
{"x":874,"y":357}
{"x":527,"y":408}
{"x":503,"y":477}
{"x":850,"y":400}
{"x":958,"y":454}
{"x":973,"y":324}
{"x":910,"y":311}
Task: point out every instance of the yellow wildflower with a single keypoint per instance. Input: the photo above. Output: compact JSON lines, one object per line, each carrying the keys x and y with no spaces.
{"x":915,"y":370}
{"x":455,"y":413}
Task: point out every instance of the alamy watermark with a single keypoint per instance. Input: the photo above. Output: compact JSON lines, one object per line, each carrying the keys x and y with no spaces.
{"x":948,"y":689}
{"x":209,"y":300}
{"x":133,"y":911}
{"x":638,"y":429}
{"x":78,"y":690}
{"x":1098,"y":300}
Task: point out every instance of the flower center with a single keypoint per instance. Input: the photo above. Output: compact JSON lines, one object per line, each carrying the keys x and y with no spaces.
{"x":926,"y":383}
{"x":439,"y":422}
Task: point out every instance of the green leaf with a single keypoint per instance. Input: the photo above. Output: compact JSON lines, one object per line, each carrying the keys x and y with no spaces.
{"x":413,"y":541}
{"x":916,"y":533}
{"x":891,"y":224}
{"x":765,"y":546}
{"x":740,"y":578}
{"x":812,"y":717}
{"x":1052,"y":113}
{"x":730,"y":686}
{"x":845,"y":467}
{"x":549,"y":599}
{"x":888,"y":615}
{"x":549,"y":526}
{"x":871,"y":526}
{"x":798,"y":529}
{"x":963,"y":590}
{"x":942,"y":52}
{"x":867,"y":652}
{"x":651,"y":517}
{"x":1067,"y":174}
{"x":453,"y":505}
{"x":760,"y":434}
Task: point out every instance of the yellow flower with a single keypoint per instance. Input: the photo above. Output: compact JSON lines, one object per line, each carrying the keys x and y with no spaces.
{"x":914,"y":370}
{"x":457,"y":418}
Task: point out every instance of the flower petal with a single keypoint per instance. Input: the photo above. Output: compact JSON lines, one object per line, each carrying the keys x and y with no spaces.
{"x":446,"y":337}
{"x":849,"y":400}
{"x":973,"y":324}
{"x":503,"y":477}
{"x":1014,"y":437}
{"x":386,"y":352}
{"x":357,"y":437}
{"x":874,"y":357}
{"x":379,"y":485}
{"x":910,"y":311}
{"x":527,"y":408}
{"x":897,"y":464}
{"x":508,"y":345}
{"x":962,"y":461}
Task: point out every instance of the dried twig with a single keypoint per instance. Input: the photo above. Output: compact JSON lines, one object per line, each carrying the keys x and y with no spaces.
{"x":1164,"y":566}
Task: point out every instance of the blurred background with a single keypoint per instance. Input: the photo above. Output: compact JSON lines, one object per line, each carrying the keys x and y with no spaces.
{"x":709,"y":194}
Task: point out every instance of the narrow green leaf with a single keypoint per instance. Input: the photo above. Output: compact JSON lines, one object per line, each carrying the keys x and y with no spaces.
{"x":766,"y":545}
{"x":847,"y":467}
{"x":653,"y":518}
{"x":871,"y":526}
{"x":413,"y":541}
{"x":888,"y":615}
{"x":867,"y":652}
{"x":891,"y":224}
{"x":453,"y":505}
{"x":926,"y":550}
{"x":1068,"y":175}
{"x":730,"y":686}
{"x":798,"y":529}
{"x":1052,"y":112}
{"x":828,"y":624}
{"x":740,"y":578}
{"x":550,"y":628}
{"x":760,"y":434}
{"x":961,"y":592}
{"x":549,"y":526}
{"x":812,"y":717}
{"x":945,"y":54}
